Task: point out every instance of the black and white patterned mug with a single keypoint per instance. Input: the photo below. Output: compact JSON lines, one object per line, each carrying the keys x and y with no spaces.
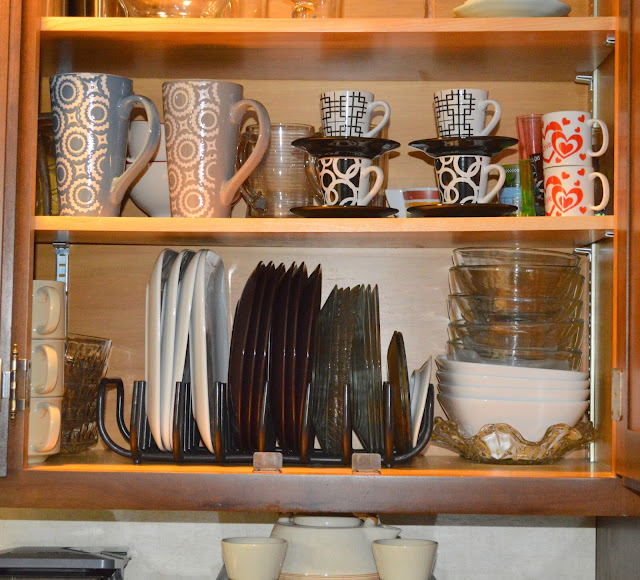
{"x":348,"y":114}
{"x":90,"y":115}
{"x":345,"y":180}
{"x":462,"y":112}
{"x":464,"y":178}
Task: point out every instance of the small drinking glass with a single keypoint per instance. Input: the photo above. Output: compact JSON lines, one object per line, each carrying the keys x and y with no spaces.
{"x":316,"y":9}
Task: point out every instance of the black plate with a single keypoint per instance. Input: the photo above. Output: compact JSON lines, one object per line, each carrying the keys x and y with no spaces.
{"x":440,"y":146}
{"x":462,"y":210}
{"x":367,"y":147}
{"x":343,"y":211}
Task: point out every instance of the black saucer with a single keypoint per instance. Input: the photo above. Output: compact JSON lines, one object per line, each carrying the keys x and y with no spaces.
{"x":367,"y":147}
{"x":343,"y":211}
{"x":462,"y":210}
{"x":440,"y":146}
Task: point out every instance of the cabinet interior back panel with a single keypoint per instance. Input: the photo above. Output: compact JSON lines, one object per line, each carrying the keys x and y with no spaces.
{"x":107,"y":294}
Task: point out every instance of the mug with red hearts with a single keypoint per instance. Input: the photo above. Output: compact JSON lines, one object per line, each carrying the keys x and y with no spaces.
{"x":569,"y":190}
{"x":567,"y":138}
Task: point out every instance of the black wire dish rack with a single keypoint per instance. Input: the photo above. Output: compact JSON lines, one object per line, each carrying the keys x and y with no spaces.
{"x":187,"y":443}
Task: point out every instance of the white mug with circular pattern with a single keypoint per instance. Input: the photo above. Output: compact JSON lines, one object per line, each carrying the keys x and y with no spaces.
{"x":345,"y":180}
{"x":464,"y":178}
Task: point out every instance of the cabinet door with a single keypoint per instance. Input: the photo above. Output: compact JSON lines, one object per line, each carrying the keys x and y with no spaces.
{"x":628,"y":241}
{"x":10,"y":29}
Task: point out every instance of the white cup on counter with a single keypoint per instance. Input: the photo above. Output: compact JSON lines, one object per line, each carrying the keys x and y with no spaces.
{"x":45,"y":416}
{"x":48,"y":314}
{"x":47,"y":367}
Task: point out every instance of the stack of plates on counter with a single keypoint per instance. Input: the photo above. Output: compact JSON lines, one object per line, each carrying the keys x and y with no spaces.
{"x":186,"y":337}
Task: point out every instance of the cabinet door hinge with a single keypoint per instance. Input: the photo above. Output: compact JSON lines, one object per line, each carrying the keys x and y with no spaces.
{"x":17,"y":379}
{"x":617,"y":377}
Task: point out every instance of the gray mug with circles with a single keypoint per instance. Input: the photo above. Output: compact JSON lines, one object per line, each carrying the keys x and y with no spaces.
{"x":90,"y":114}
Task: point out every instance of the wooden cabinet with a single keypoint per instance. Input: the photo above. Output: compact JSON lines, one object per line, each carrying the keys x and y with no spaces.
{"x":528,"y":64}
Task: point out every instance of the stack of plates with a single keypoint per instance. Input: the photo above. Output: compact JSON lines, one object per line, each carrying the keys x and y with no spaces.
{"x":270,"y":365}
{"x":186,"y":337}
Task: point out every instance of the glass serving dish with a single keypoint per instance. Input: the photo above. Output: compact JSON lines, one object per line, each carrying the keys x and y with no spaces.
{"x":501,"y":443}
{"x":85,"y":364}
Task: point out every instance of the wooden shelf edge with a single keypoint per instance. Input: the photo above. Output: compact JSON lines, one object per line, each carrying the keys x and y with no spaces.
{"x":244,"y":491}
{"x":62,"y":26}
{"x":388,"y":232}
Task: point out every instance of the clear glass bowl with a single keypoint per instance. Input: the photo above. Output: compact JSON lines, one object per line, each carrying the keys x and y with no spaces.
{"x":516,"y":335}
{"x":522,"y":256}
{"x":565,"y":359}
{"x":180,"y":8}
{"x":501,"y":443}
{"x":476,"y":309}
{"x":85,"y":364}
{"x":513,"y":280}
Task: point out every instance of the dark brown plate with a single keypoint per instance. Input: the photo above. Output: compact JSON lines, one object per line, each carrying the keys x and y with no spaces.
{"x":399,"y":380}
{"x":343,"y":211}
{"x":477,"y":145}
{"x":239,"y":334}
{"x":462,"y":210}
{"x":277,"y":355}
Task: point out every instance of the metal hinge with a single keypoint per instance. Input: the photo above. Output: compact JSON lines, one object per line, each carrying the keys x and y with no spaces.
{"x":18,"y":379}
{"x":617,"y":377}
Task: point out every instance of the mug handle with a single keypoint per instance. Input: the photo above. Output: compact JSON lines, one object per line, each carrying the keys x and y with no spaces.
{"x":502,"y":174}
{"x":605,"y":190}
{"x":53,"y":433}
{"x":376,"y":186}
{"x":497,"y":113}
{"x":230,"y":193}
{"x":51,"y":378}
{"x":121,"y":183}
{"x":385,"y":119}
{"x":605,"y":137}
{"x":55,"y":308}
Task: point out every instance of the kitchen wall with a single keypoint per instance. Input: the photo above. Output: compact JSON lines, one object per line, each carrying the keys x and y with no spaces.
{"x":176,"y":545}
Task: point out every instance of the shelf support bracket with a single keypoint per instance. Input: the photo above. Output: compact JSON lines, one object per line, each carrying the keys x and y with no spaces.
{"x":366,"y":463}
{"x":62,"y":263}
{"x":585,"y":80}
{"x":617,"y":381}
{"x":267,"y":462}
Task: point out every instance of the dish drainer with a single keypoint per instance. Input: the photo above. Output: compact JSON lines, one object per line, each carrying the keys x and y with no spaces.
{"x":187,"y":446}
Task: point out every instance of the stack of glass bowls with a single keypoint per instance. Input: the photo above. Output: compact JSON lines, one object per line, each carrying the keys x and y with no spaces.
{"x":517,"y":308}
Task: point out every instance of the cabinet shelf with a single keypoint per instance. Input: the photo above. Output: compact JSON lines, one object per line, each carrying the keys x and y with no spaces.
{"x":514,"y":49}
{"x":388,"y":232}
{"x":101,"y":480}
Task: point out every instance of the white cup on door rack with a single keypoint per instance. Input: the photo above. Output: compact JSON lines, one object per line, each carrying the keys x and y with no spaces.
{"x":48,"y":314}
{"x":45,"y":416}
{"x":47,"y":367}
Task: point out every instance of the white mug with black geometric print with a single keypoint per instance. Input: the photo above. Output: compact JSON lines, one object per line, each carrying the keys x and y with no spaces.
{"x":345,"y":180}
{"x":348,"y":114}
{"x":90,"y":127}
{"x":462,"y":112}
{"x":464,"y":178}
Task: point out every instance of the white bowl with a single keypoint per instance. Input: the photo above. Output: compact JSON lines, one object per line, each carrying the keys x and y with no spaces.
{"x":137,"y":135}
{"x":513,"y":394}
{"x":530,"y":418}
{"x":445,"y":363}
{"x":150,"y":191}
{"x":495,"y":381}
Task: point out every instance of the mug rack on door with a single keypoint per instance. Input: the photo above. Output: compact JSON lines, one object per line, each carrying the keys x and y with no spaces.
{"x":187,"y":447}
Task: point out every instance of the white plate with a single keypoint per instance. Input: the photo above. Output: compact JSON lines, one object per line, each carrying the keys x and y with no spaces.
{"x":514,"y":394}
{"x":511,"y":8}
{"x":208,"y":338}
{"x":420,"y":379}
{"x":169,"y":315}
{"x":444,"y":363}
{"x":153,"y":335}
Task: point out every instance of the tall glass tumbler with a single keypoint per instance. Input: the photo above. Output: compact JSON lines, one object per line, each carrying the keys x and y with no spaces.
{"x":281,"y":180}
{"x":530,"y":153}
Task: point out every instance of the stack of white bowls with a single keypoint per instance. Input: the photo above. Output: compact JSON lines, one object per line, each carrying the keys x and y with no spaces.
{"x":514,"y":341}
